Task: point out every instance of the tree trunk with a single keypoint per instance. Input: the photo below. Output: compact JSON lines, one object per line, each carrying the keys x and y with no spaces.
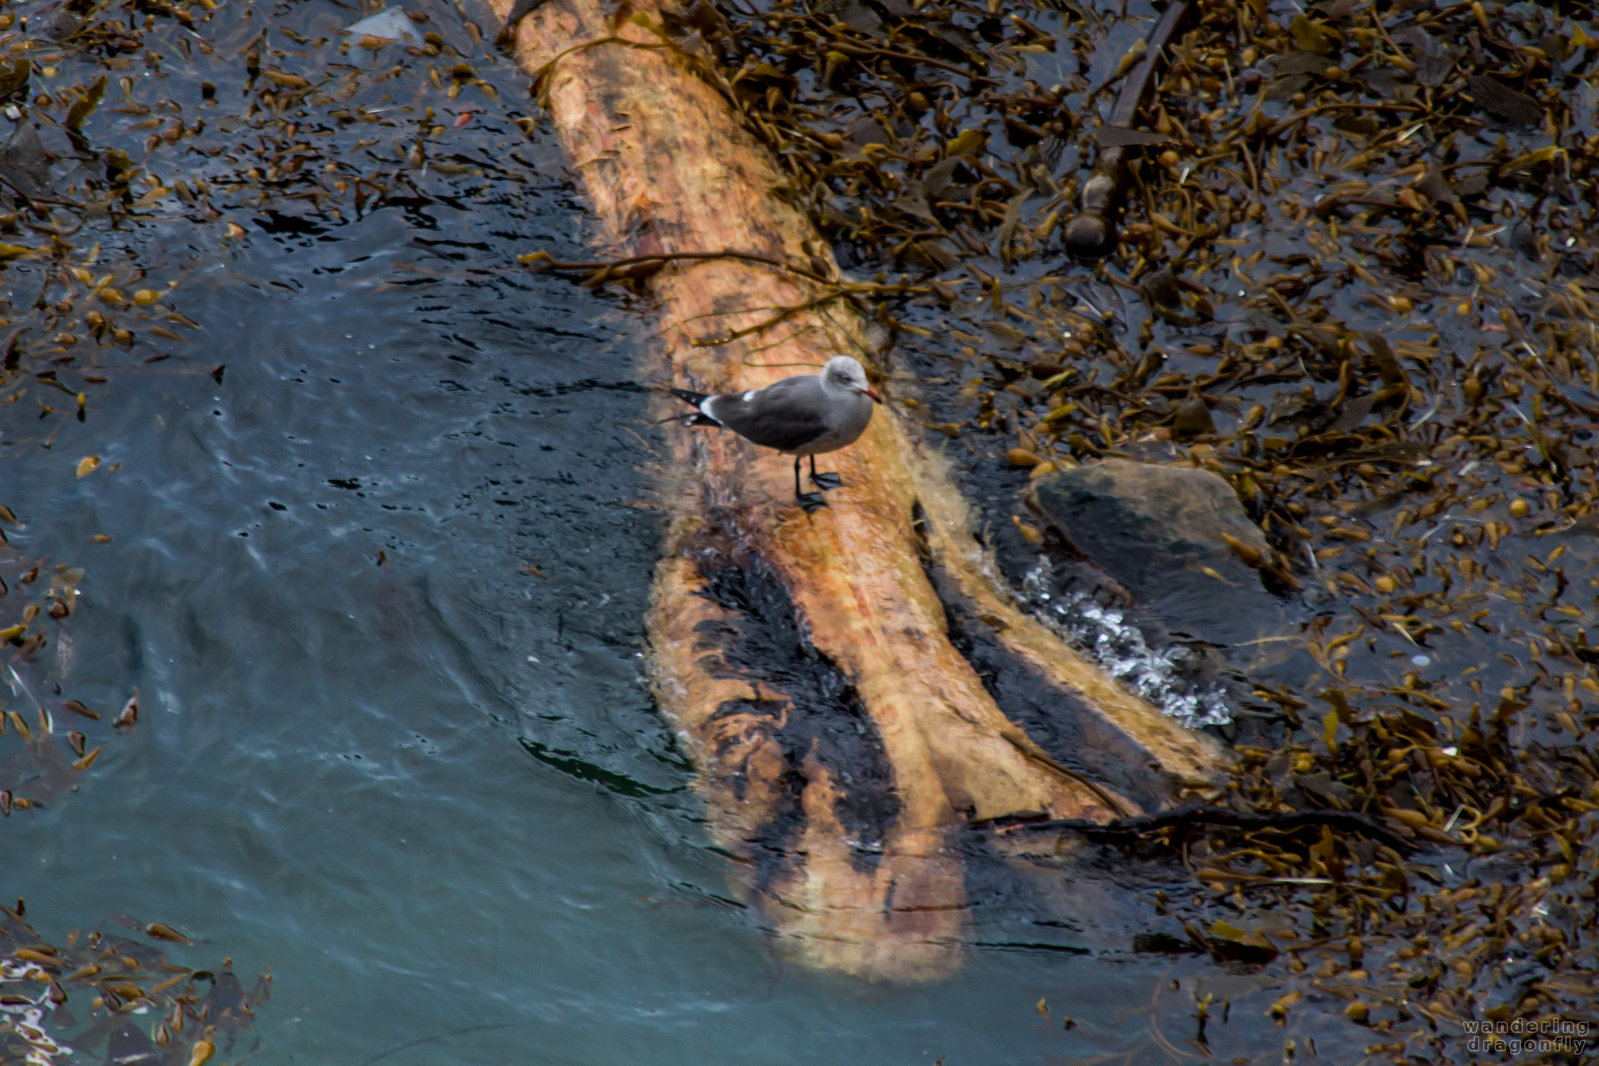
{"x":840,"y":736}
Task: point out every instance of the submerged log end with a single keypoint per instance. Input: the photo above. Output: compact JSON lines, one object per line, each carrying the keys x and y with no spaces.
{"x":890,"y":912}
{"x":845,"y":832}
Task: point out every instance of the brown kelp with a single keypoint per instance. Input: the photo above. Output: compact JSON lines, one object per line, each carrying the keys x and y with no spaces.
{"x":47,"y":739}
{"x":116,"y":995}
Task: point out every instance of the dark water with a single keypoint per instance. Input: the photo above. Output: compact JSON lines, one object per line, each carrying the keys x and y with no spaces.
{"x":377,"y":756}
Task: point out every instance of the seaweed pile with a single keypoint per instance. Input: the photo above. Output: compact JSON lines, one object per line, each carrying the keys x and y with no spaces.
{"x":117,"y":997}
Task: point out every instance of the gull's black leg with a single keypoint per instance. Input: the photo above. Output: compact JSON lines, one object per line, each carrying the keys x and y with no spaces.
{"x":808,"y":501}
{"x":824,"y":481}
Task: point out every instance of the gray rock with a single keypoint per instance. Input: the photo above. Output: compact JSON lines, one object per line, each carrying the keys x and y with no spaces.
{"x":1158,"y":531}
{"x":55,"y":23}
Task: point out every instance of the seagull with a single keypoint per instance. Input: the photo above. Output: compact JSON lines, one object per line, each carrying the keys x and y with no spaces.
{"x":803,"y":415}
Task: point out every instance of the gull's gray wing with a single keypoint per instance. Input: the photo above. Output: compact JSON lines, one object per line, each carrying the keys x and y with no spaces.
{"x":787,"y":415}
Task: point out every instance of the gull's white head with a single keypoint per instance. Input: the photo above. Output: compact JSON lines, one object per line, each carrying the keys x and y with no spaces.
{"x":843,"y":372}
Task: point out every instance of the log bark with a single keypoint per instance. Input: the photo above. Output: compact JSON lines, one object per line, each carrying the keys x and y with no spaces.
{"x":840,"y":736}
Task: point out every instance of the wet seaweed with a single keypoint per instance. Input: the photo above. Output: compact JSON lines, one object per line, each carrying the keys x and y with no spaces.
{"x":101,"y":992}
{"x":1092,"y":232}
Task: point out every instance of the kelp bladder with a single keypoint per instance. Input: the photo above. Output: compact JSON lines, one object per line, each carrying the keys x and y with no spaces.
{"x":842,"y":738}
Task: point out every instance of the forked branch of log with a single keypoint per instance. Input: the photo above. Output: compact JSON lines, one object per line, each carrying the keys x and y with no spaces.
{"x":840,"y":736}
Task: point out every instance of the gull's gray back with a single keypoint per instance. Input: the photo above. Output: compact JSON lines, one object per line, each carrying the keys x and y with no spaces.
{"x":799,"y":415}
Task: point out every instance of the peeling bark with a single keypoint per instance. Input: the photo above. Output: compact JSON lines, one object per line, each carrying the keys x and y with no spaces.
{"x":840,"y":736}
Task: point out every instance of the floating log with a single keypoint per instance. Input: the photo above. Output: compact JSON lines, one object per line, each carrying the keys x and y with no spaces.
{"x":840,"y":736}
